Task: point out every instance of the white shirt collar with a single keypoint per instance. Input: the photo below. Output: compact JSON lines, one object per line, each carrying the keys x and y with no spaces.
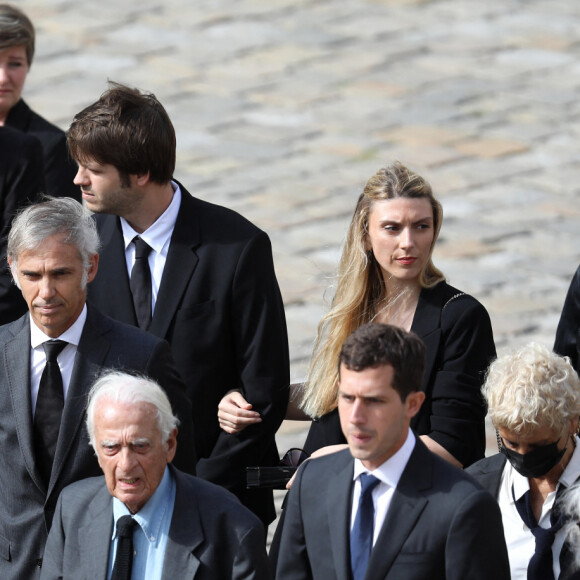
{"x":391,"y":470}
{"x":159,"y":232}
{"x":72,"y":335}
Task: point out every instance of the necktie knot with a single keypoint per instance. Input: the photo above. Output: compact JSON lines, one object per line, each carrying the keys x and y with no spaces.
{"x":142,"y":248}
{"x":52,"y":348}
{"x":367,"y":483}
{"x":125,"y":526}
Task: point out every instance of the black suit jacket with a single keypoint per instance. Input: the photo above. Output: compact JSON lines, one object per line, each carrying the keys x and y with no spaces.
{"x":21,"y":181}
{"x":220,"y":309}
{"x":457,"y":333}
{"x":26,"y":503}
{"x":440,"y":525}
{"x":211,"y":537}
{"x":568,"y":332}
{"x":59,"y":168}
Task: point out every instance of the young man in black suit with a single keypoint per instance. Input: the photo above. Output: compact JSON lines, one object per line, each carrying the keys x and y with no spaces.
{"x":387,"y":507}
{"x":206,"y":284}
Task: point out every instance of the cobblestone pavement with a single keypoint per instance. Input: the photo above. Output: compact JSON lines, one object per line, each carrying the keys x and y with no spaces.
{"x":283,"y":109}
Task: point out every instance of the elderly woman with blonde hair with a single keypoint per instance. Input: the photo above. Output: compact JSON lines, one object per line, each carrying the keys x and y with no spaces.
{"x":533,"y":398}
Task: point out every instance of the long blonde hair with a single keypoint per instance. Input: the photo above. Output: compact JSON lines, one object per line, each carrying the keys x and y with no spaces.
{"x":360,"y":285}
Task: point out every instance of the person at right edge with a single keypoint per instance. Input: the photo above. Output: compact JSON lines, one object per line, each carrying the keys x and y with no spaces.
{"x":568,"y":333}
{"x":533,"y":396}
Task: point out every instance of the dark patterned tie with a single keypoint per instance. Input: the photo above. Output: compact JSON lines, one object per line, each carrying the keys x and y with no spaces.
{"x":124,"y":556}
{"x":141,"y":283}
{"x":540,"y":566}
{"x":361,"y":535}
{"x":49,"y":405}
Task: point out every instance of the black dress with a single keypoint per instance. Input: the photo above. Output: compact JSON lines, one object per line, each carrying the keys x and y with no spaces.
{"x":457,"y":333}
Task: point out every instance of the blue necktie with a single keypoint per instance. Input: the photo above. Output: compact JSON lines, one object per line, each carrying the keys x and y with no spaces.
{"x":361,"y":535}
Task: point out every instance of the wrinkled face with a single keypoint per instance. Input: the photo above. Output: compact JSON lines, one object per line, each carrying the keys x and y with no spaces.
{"x":130,"y":451}
{"x":13,"y":70}
{"x":401,"y":233}
{"x":103,"y":191}
{"x":51,"y":279}
{"x":373,"y":418}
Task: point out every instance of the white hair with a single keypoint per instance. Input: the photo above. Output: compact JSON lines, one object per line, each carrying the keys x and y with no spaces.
{"x":122,"y":387}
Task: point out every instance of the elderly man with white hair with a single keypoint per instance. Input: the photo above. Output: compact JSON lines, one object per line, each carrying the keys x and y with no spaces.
{"x":146,"y":519}
{"x":533,"y":398}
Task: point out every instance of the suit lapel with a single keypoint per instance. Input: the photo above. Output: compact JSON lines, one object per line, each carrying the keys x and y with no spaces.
{"x":407,"y":504}
{"x":94,"y":539}
{"x":113,"y":279}
{"x":338,"y":507}
{"x":185,"y":534}
{"x":179,"y":267}
{"x":427,"y":326}
{"x":17,"y":368}
{"x":89,"y":361}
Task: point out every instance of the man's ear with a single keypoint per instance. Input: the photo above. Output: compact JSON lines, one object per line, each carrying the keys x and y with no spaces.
{"x":142,"y":179}
{"x":14,"y":271}
{"x":93,"y":267}
{"x":413,"y":402}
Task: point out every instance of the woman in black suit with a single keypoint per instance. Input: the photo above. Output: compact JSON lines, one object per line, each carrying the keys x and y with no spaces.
{"x":533,"y":397}
{"x":16,"y":53}
{"x":386,"y":274}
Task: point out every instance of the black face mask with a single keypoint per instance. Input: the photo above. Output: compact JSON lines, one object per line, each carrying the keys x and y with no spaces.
{"x":537,"y":462}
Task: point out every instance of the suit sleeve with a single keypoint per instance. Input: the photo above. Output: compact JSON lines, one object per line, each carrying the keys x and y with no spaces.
{"x":60,"y":169}
{"x":475,"y":546}
{"x":567,"y":343}
{"x":251,"y":562}
{"x":262,"y":364}
{"x":162,"y":369}
{"x":457,"y":405}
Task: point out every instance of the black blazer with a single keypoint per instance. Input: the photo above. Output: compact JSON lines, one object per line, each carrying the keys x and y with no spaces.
{"x":220,"y":309}
{"x":457,"y":333}
{"x":568,"y":332}
{"x":488,"y":472}
{"x":21,"y":181}
{"x":26,"y":504}
{"x":59,"y":168}
{"x":440,"y":525}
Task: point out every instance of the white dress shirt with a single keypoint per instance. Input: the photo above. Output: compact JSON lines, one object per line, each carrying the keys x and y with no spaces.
{"x":158,"y":237}
{"x":65,"y":359}
{"x":519,"y":538}
{"x":388,"y":474}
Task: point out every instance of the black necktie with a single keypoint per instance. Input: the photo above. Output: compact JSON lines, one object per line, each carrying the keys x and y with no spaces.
{"x":124,"y":556}
{"x":540,"y":566}
{"x":49,"y":405}
{"x":361,"y":535}
{"x":141,"y":283}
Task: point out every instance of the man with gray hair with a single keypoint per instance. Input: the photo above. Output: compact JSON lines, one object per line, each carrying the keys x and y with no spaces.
{"x":146,"y":519}
{"x":48,"y":359}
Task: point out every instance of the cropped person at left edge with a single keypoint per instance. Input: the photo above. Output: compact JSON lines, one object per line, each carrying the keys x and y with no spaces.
{"x":48,"y":359}
{"x":17,"y":43}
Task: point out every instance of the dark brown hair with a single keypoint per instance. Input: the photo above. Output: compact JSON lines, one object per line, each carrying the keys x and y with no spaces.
{"x":127,"y":129}
{"x":373,"y":345}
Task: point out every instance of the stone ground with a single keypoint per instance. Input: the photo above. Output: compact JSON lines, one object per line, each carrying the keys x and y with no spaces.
{"x":283,"y":109}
